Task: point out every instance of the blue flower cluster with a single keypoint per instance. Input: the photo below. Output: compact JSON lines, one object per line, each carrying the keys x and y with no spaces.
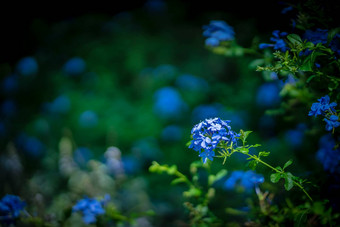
{"x":279,"y":43}
{"x":216,"y":32}
{"x":325,"y":108}
{"x":90,"y":208}
{"x":246,"y":179}
{"x":321,"y":36}
{"x":327,"y":155}
{"x":208,"y":134}
{"x":10,"y":208}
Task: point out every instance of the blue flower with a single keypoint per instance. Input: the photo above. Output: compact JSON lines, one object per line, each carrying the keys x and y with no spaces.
{"x":88,"y":119}
{"x":318,"y":36}
{"x":90,"y":208}
{"x":295,"y":137}
{"x":10,"y":208}
{"x":279,"y":43}
{"x":268,"y":95}
{"x":327,"y":155}
{"x":208,"y":134}
{"x":189,"y":82}
{"x":246,"y":179}
{"x":10,"y":84}
{"x":319,"y":108}
{"x":218,"y":31}
{"x":168,"y":103}
{"x":332,"y":122}
{"x":171,"y":133}
{"x":74,"y":66}
{"x":60,"y":105}
{"x":27,"y":66}
{"x":82,"y":155}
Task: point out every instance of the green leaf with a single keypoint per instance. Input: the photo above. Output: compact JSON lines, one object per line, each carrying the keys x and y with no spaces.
{"x":244,"y":150}
{"x":289,"y":183}
{"x":307,"y":64}
{"x":294,"y":39}
{"x":275,"y":177}
{"x":332,"y":33}
{"x":177,"y":181}
{"x":252,"y":164}
{"x":172,"y":170}
{"x":288,"y":163}
{"x":310,"y":78}
{"x":264,"y":154}
{"x":309,"y":45}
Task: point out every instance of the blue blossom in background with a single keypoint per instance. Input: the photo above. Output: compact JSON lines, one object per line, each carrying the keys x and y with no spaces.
{"x":279,"y":43}
{"x":74,"y":66}
{"x":30,"y":145}
{"x":88,"y":119}
{"x":27,"y":66}
{"x":317,"y":36}
{"x":246,"y":179}
{"x":164,"y":72}
{"x":8,"y":108}
{"x":168,"y":103}
{"x":60,"y":105}
{"x":268,"y":95}
{"x":332,"y":122}
{"x":321,"y":36}
{"x":218,"y":31}
{"x":131,"y":164}
{"x":10,"y":208}
{"x":155,"y":6}
{"x":188,"y":82}
{"x":208,"y":134}
{"x":319,"y":108}
{"x":172,"y":133}
{"x":295,"y":137}
{"x":10,"y":84}
{"x":82,"y":155}
{"x":327,"y":155}
{"x":205,"y":111}
{"x":90,"y":209}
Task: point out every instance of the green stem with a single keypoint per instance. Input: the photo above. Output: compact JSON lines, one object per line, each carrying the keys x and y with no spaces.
{"x":279,"y":171}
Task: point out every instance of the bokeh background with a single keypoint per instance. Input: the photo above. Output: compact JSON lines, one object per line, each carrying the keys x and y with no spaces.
{"x":92,"y":94}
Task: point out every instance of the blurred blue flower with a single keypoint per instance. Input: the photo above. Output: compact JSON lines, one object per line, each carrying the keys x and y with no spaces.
{"x":155,"y":6}
{"x":286,"y":9}
{"x":189,"y":82}
{"x":164,"y":72}
{"x":10,"y":208}
{"x":246,"y":179}
{"x":168,"y":103}
{"x":74,"y":66}
{"x":323,"y":105}
{"x":27,"y":66}
{"x":131,"y":164}
{"x":2,"y":129}
{"x":90,"y":209}
{"x":218,"y":31}
{"x":279,"y":43}
{"x":60,"y":105}
{"x":332,"y":122}
{"x":295,"y":137}
{"x":208,"y":134}
{"x":327,"y":155}
{"x":205,"y":111}
{"x":88,"y":119}
{"x":10,"y":84}
{"x":268,"y":95}
{"x":8,"y":108}
{"x":82,"y":155}
{"x":30,"y":145}
{"x":146,"y":149}
{"x":321,"y":36}
{"x":172,"y":133}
